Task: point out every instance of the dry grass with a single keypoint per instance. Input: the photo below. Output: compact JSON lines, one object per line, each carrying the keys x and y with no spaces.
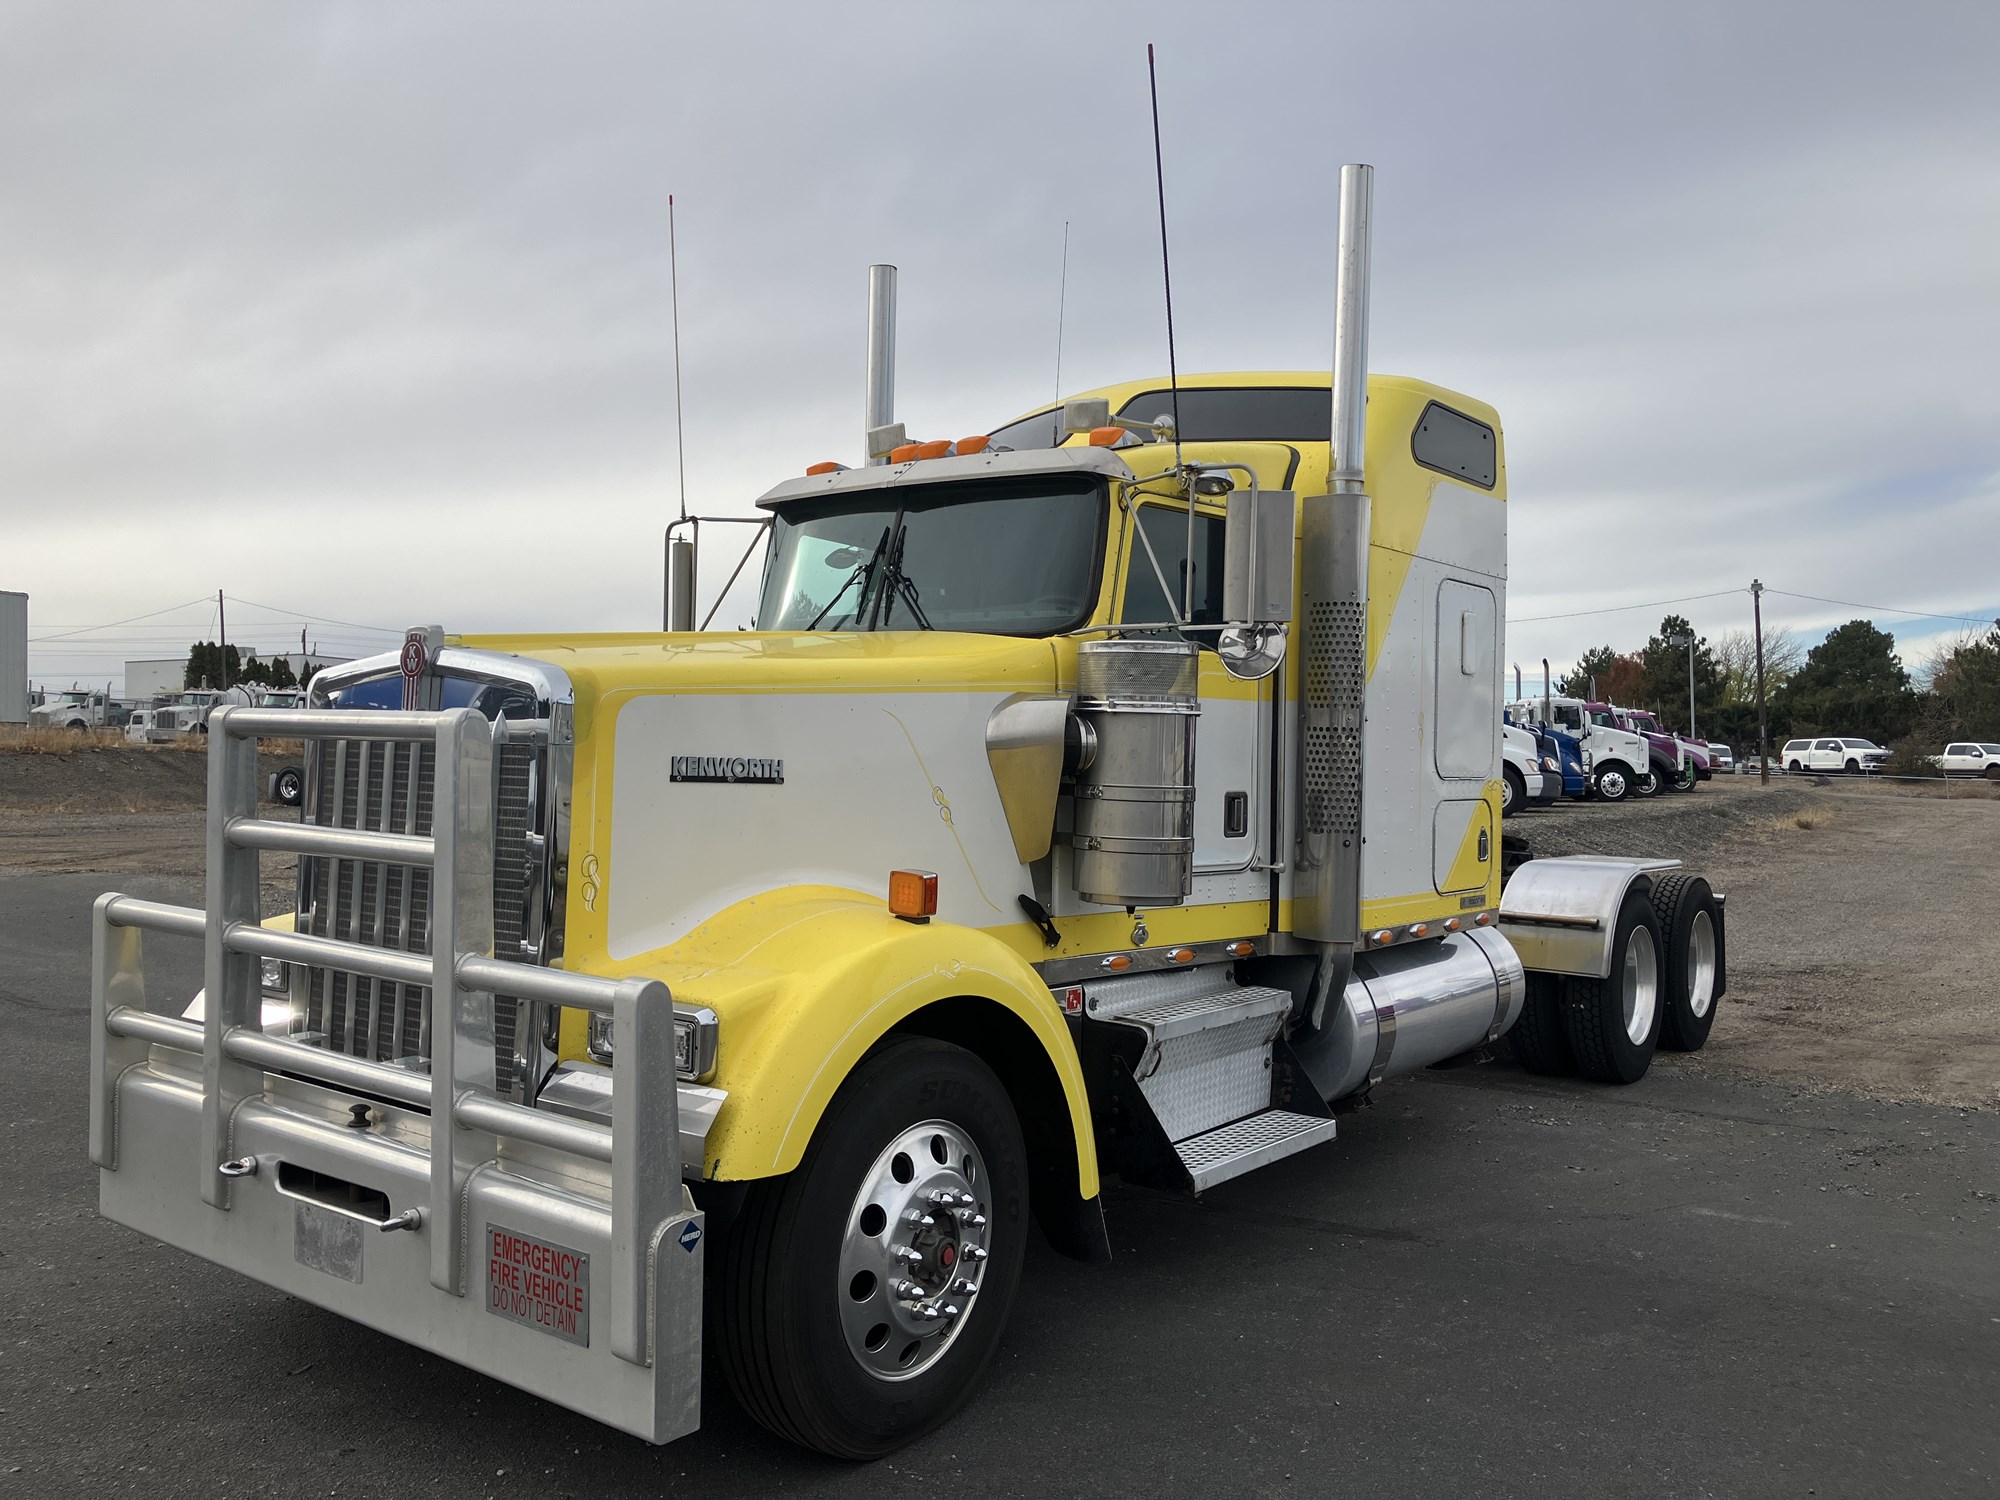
{"x":1805,"y":818}
{"x":17,"y":739}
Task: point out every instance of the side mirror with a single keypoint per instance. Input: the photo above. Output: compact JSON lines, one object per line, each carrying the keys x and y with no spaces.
{"x":1083,"y":416}
{"x":1257,"y":557}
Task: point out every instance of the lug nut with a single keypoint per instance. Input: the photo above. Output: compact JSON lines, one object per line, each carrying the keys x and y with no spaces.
{"x":905,"y":1253}
{"x":930,"y":1312}
{"x":920,"y":1220}
{"x":971,"y":1220}
{"x":909,"y":1291}
{"x":973,"y":1253}
{"x":950,"y":1311}
{"x":964,"y":1287}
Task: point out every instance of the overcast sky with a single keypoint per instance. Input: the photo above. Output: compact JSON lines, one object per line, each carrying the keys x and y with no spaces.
{"x":361,"y":312}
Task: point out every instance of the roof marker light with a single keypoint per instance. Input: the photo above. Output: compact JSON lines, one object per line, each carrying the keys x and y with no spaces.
{"x":973,"y":445}
{"x":934,"y":450}
{"x":829,"y":467}
{"x":904,"y":453}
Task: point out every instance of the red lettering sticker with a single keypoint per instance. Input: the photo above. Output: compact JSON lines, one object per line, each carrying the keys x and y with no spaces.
{"x":544,"y":1285}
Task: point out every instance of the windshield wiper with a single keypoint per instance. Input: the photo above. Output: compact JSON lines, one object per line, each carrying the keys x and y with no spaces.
{"x":865,"y":571}
{"x":895,"y":586}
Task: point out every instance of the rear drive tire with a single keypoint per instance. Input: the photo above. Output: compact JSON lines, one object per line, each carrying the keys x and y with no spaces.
{"x":1691,"y":935}
{"x":809,"y":1328}
{"x":1614,"y":1022}
{"x":1611,"y":783}
{"x":1541,"y":1044}
{"x":1513,"y":791}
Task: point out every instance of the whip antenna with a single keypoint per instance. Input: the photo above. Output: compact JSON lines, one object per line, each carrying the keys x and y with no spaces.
{"x":1166,"y":271}
{"x":1062,"y":305}
{"x":674,"y":282}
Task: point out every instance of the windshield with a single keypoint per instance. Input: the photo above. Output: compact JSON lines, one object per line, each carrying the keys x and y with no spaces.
{"x":1643,"y":721}
{"x":1015,"y":557}
{"x":1603,"y":717}
{"x":1861,"y":745}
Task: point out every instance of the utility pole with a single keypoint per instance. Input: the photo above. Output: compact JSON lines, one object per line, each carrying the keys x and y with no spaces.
{"x":1763,"y":744}
{"x":1687,"y":641}
{"x":222,"y":629}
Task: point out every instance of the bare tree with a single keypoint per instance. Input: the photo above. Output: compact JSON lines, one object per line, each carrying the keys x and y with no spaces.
{"x":1736,"y":653}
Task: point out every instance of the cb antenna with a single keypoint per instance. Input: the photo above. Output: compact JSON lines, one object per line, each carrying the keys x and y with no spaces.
{"x":674,"y":283}
{"x":1166,"y":271}
{"x":1062,"y":306}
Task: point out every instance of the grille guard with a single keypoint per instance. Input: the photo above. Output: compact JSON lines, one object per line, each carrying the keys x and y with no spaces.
{"x":156,"y":1130}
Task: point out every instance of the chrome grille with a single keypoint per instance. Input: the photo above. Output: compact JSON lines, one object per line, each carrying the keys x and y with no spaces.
{"x":388,"y":787}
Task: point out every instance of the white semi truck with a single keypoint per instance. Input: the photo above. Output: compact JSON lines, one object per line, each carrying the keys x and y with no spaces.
{"x":1123,"y":801}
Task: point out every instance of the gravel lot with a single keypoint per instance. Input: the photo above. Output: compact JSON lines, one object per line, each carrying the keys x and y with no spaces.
{"x":1863,"y":954}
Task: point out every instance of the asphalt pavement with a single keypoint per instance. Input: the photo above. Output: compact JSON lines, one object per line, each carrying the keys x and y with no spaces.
{"x":1490,"y":1285}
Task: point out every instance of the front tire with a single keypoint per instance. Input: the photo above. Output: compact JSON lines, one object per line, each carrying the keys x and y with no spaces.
{"x":1854,"y":768}
{"x":1691,"y":931}
{"x":843,"y":1320}
{"x":1513,"y":791}
{"x":1611,"y":783}
{"x":1614,"y":1023}
{"x":1683,"y":780}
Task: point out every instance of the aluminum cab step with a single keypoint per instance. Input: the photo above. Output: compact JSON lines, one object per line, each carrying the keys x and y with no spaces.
{"x":1244,"y":1145}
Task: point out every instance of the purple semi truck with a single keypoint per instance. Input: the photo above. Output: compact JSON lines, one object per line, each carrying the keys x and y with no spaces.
{"x":1677,"y":763}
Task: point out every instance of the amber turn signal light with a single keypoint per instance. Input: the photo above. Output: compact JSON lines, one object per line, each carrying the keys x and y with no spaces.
{"x":913,"y":894}
{"x":1105,"y":437}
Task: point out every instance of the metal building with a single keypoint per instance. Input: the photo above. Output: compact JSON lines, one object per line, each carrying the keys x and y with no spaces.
{"x":13,"y":658}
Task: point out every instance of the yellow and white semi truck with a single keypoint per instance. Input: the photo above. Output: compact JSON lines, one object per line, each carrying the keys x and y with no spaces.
{"x":1117,"y":793}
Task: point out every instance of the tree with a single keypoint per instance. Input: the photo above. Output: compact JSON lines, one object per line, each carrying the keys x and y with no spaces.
{"x":1852,"y":683}
{"x":1666,"y":676}
{"x":1966,"y":684}
{"x":1603,"y":674}
{"x":1736,"y":655}
{"x":206,"y":663}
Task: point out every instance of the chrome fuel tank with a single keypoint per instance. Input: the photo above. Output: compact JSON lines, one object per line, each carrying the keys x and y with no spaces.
{"x":1409,"y":1007}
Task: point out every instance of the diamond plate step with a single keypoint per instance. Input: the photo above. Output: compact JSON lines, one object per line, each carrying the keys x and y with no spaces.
{"x":1205,"y":1012}
{"x":1243,"y":1146}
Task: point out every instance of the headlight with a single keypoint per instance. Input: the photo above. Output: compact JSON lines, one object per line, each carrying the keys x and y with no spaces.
{"x":277,"y":977}
{"x":1550,"y":763}
{"x":694,"y":1042}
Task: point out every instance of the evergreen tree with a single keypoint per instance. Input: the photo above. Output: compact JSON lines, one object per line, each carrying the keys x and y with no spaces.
{"x":1852,"y":683}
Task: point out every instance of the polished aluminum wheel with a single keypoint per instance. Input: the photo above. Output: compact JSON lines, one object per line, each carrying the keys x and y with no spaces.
{"x":1612,"y":785}
{"x":915,"y":1250}
{"x":1640,"y":984}
{"x":1701,"y":964}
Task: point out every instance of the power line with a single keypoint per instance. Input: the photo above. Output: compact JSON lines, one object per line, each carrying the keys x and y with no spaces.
{"x":299,"y":614}
{"x":1616,"y":609}
{"x":89,"y":629}
{"x":1885,"y":609}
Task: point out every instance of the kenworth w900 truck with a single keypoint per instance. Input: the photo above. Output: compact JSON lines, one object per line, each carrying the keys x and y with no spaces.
{"x":1126,"y":804}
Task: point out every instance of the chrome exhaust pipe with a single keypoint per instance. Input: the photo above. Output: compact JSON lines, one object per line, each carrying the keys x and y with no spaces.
{"x":881,"y":398}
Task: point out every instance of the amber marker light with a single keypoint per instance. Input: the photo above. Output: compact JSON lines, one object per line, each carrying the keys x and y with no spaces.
{"x":1105,"y":437}
{"x":1383,"y":936}
{"x":1118,"y":963}
{"x":1452,"y":924}
{"x":913,"y":894}
{"x":829,"y":467}
{"x":972,"y":445}
{"x":1421,"y":929}
{"x":904,"y":454}
{"x":1484,"y":919}
{"x":934,"y":450}
{"x":1182,"y":955}
{"x":1243,"y":949}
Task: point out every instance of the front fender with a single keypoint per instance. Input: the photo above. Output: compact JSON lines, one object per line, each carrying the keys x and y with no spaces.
{"x":804,"y":982}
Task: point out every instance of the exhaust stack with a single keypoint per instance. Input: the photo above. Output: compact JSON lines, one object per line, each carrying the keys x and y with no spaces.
{"x":1326,"y":903}
{"x":880,"y":410}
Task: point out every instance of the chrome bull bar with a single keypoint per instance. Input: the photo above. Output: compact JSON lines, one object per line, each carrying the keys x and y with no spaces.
{"x":653,"y":1296}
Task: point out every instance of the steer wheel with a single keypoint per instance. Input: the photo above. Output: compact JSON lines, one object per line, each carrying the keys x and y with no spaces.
{"x":858,"y":1301}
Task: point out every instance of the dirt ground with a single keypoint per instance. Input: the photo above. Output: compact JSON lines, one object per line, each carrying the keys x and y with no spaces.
{"x":1864,"y":953}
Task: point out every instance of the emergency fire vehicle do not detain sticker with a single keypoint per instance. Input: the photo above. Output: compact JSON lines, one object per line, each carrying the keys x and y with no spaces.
{"x":544,"y":1285}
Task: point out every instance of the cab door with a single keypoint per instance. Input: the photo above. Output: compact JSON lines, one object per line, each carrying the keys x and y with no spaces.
{"x":1233,"y":736}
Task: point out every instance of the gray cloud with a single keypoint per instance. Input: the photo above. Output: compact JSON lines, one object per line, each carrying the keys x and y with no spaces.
{"x":364,"y":310}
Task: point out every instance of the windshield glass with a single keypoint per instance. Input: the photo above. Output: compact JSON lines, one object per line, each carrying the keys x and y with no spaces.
{"x":1015,"y":557}
{"x":1604,"y":717}
{"x":1643,"y":721}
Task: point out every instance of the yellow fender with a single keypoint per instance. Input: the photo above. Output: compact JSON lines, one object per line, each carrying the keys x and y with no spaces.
{"x":807,"y":979}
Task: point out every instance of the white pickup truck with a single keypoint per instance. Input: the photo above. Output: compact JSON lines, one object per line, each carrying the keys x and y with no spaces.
{"x":1830,"y":754}
{"x":1969,"y":758}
